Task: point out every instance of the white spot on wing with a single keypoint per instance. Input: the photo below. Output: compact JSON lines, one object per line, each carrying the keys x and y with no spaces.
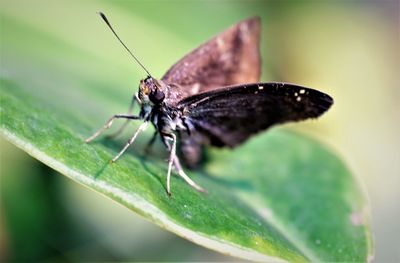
{"x":195,"y":88}
{"x":302,"y":91}
{"x":260,"y":87}
{"x":298,"y":98}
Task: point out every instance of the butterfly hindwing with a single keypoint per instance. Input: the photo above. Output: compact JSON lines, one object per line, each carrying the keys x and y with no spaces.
{"x":230,"y":58}
{"x":230,"y":116}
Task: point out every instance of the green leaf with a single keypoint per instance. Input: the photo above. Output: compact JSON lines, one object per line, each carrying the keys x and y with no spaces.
{"x":281,"y":196}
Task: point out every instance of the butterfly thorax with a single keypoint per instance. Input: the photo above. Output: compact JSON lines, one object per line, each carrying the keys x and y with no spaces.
{"x":168,"y":120}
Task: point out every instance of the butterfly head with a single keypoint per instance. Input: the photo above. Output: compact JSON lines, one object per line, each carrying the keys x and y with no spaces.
{"x":151,"y":91}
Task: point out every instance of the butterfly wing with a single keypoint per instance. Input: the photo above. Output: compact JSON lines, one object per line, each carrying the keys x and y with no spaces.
{"x":230,"y":58}
{"x":230,"y":116}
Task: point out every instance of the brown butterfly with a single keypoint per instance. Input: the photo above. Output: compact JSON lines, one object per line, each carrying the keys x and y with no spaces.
{"x":211,"y":97}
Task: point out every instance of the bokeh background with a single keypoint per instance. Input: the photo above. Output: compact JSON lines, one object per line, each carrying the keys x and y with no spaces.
{"x":349,"y":49}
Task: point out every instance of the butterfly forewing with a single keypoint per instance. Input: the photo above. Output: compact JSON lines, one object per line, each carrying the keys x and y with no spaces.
{"x":230,"y":116}
{"x":230,"y":58}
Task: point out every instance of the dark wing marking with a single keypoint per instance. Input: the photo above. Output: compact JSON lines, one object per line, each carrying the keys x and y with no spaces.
{"x":229,"y":58}
{"x":230,"y":116}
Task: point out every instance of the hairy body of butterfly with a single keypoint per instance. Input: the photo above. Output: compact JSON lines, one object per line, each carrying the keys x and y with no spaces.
{"x":203,"y":101}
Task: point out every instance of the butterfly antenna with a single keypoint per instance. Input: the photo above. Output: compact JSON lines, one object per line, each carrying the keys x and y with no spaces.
{"x":112,"y":29}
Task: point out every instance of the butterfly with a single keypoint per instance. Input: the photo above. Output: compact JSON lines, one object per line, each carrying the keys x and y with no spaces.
{"x":212,"y":96}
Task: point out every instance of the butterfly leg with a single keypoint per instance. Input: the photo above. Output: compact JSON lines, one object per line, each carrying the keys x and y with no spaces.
{"x":185,"y":177}
{"x":173,"y":160}
{"x":172,"y":156}
{"x":141,"y":128}
{"x":123,"y":126}
{"x":108,"y":124}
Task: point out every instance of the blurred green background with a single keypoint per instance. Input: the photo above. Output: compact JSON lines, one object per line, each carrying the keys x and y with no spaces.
{"x":349,"y":49}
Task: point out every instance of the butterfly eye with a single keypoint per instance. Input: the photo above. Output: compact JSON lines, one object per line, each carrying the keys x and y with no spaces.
{"x":156,"y":96}
{"x":146,"y":91}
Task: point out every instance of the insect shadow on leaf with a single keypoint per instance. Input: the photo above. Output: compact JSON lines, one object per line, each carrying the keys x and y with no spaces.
{"x":212,"y":97}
